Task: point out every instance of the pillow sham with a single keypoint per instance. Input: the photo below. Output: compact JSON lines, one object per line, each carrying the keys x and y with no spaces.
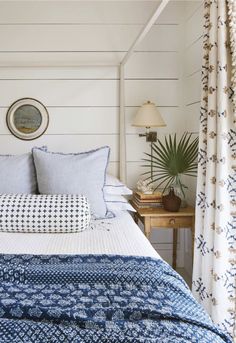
{"x":81,"y":173}
{"x":44,"y":213}
{"x":115,"y":186}
{"x":116,"y":203}
{"x":17,"y":174}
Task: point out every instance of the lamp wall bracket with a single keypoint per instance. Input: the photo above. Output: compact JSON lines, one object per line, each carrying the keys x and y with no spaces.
{"x":150,"y":136}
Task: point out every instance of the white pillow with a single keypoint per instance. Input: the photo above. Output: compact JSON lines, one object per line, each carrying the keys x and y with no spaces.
{"x":58,"y":213}
{"x":115,"y":186}
{"x":117,"y":203}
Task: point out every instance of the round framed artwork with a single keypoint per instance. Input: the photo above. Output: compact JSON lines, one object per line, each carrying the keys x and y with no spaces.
{"x":27,"y":118}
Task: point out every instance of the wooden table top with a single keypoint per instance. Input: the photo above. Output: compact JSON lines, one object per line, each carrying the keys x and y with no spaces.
{"x":159,"y":211}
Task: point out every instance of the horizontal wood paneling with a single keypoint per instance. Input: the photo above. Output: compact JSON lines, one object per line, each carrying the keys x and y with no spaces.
{"x":191,"y":7}
{"x":162,"y":92}
{"x":85,"y":38}
{"x":89,"y":92}
{"x":137,"y":146}
{"x":193,"y":58}
{"x":98,"y":120}
{"x":191,"y":183}
{"x":142,"y":65}
{"x":59,"y":73}
{"x":154,"y":65}
{"x":88,"y":120}
{"x":103,"y":12}
{"x":134,"y":172}
{"x":61,"y":92}
{"x":61,"y":143}
{"x":194,"y":26}
{"x":113,"y":168}
{"x":55,"y":59}
{"x":76,"y":120}
{"x":192,"y":117}
{"x":193,"y":88}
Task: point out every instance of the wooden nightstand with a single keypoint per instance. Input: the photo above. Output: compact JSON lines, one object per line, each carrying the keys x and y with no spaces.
{"x":158,"y":218}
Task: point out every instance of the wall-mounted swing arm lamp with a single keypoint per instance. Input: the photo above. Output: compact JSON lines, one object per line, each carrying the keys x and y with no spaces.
{"x":148,"y":116}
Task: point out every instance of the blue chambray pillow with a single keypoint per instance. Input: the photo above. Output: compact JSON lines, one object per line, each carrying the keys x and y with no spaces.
{"x":81,"y":173}
{"x":17,"y":174}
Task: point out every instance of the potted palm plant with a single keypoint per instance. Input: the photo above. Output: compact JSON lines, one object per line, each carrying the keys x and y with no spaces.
{"x":170,"y":160}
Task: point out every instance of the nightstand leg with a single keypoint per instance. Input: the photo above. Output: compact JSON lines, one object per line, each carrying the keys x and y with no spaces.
{"x":135,"y":216}
{"x":175,"y":238}
{"x":147,"y":227}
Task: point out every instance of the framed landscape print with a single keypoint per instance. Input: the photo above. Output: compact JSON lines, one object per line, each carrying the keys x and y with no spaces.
{"x":27,"y":118}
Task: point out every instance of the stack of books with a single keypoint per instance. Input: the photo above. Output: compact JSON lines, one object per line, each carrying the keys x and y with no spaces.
{"x":142,"y":200}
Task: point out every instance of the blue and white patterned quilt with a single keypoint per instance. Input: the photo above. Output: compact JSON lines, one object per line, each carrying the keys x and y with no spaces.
{"x":98,"y":298}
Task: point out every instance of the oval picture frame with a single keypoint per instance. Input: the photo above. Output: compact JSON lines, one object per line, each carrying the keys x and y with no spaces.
{"x":27,"y":118}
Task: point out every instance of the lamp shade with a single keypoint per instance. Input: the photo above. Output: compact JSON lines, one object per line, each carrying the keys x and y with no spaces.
{"x":148,"y":116}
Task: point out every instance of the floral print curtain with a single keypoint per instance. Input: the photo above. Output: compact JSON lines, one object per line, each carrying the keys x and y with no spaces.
{"x":214,"y":274}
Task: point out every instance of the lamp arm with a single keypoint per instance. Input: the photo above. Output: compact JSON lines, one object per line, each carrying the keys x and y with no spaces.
{"x":150,"y":136}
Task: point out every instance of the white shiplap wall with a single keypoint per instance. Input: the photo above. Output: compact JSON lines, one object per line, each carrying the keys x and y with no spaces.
{"x":44,"y":43}
{"x":192,"y":86}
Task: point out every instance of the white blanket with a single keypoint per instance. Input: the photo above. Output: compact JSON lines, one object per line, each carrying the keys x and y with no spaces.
{"x":118,"y":236}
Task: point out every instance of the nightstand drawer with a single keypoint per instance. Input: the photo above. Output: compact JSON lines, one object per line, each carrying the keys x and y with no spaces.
{"x":172,"y":222}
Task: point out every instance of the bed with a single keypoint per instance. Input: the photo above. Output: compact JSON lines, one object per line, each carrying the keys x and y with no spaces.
{"x":106,"y":284}
{"x":116,"y":236}
{"x":74,"y":266}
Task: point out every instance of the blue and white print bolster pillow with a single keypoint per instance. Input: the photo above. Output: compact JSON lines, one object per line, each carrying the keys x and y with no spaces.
{"x":58,"y":213}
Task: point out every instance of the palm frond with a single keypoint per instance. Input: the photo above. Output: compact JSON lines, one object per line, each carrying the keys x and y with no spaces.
{"x":170,"y":159}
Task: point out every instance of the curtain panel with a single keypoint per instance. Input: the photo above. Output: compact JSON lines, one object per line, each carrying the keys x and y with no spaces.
{"x":214,"y":274}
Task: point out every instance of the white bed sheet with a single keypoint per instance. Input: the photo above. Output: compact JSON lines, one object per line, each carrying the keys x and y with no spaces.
{"x":118,"y":236}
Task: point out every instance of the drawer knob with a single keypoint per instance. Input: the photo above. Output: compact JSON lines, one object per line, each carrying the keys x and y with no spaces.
{"x":172,"y":221}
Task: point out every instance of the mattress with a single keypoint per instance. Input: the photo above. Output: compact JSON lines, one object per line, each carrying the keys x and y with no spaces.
{"x":116,"y":236}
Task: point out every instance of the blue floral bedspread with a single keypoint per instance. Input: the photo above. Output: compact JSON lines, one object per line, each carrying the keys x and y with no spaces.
{"x":98,"y":298}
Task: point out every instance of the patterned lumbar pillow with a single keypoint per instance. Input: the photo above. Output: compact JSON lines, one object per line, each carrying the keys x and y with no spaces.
{"x":60,"y":213}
